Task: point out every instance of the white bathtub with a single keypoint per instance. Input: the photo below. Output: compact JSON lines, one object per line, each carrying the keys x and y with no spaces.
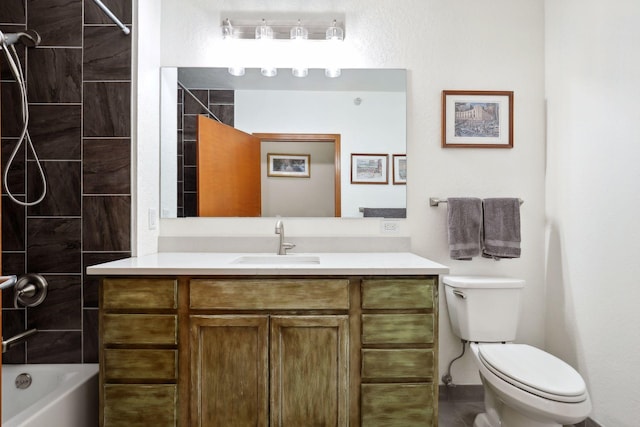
{"x":63,"y":395}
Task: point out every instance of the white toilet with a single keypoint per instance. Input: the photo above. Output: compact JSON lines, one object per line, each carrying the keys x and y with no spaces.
{"x":523,"y":385}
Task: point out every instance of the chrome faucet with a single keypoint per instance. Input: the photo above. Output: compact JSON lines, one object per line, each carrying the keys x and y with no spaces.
{"x":5,"y":283}
{"x":282,"y":246}
{"x":22,"y":336}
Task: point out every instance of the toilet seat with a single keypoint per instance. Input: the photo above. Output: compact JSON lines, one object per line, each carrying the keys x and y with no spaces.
{"x":534,"y":371}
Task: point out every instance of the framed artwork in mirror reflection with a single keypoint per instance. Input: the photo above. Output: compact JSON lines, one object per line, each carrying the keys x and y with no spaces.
{"x":289,"y":165}
{"x":399,"y":169}
{"x":477,"y":119}
{"x":369,"y":169}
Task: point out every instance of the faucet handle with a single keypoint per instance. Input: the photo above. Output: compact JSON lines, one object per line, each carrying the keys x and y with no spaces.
{"x":286,"y":246}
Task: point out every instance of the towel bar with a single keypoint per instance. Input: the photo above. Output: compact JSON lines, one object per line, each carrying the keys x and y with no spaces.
{"x":434,"y":201}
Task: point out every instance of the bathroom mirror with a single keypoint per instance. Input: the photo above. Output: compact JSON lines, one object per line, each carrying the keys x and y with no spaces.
{"x":364,"y":108}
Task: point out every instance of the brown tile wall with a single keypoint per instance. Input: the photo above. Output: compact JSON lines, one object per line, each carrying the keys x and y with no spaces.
{"x":79,"y":90}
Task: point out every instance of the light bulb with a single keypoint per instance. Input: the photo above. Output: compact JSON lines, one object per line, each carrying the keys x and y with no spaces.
{"x":299,"y":32}
{"x":227,"y":30}
{"x":300,"y":71}
{"x":264,"y":32}
{"x":269,"y":71}
{"x":334,"y":32}
{"x":236,"y":71}
{"x":332,"y":72}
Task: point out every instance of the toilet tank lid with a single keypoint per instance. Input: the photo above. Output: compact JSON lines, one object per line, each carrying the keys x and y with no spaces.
{"x":482,"y":282}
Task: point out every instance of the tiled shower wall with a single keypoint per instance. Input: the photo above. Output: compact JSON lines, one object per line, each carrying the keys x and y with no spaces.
{"x":79,"y":89}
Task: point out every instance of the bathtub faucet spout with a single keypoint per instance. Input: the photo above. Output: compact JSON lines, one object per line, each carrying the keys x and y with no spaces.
{"x":17,"y":339}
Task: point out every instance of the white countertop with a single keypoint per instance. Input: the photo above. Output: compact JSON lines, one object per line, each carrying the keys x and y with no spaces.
{"x":209,"y":263}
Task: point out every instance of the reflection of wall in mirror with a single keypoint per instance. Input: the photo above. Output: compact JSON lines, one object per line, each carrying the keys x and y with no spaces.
{"x":377,"y":125}
{"x":299,"y":197}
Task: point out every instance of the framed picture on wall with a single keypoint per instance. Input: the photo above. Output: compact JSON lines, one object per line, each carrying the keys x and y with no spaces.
{"x":399,"y":169}
{"x":478,"y":119}
{"x":369,"y":169}
{"x":289,"y":165}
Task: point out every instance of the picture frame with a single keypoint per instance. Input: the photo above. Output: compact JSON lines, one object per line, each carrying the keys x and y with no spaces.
{"x":289,"y":165}
{"x":477,"y":119}
{"x":369,"y":168}
{"x":399,"y":169}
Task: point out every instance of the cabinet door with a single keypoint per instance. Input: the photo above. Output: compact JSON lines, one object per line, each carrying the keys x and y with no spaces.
{"x":309,"y":370}
{"x":229,"y":371}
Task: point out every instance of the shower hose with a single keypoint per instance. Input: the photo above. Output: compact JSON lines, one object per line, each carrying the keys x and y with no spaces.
{"x":7,"y":45}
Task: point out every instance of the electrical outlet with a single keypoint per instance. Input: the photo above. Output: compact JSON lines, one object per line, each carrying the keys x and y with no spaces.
{"x":389,"y":227}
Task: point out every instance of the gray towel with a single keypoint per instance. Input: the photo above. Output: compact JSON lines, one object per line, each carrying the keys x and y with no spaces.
{"x":384,"y":212}
{"x":501,"y":228}
{"x":464,"y":216}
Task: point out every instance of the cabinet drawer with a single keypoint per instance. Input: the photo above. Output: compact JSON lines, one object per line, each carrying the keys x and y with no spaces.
{"x":139,"y":293}
{"x":397,"y":405}
{"x":140,"y":364}
{"x":130,"y":405}
{"x":308,"y":294}
{"x":397,"y":328}
{"x":409,"y":364}
{"x":397,"y":293}
{"x":140,"y":329}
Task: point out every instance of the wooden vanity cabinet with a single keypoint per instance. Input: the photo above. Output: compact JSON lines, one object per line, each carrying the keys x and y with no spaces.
{"x":138,"y":352}
{"x":399,"y":348}
{"x":264,"y":351}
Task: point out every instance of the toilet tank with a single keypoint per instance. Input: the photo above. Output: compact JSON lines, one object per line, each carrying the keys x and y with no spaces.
{"x":483,"y":309}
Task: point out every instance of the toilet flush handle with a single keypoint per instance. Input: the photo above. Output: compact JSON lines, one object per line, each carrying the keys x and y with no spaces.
{"x":459,"y":294}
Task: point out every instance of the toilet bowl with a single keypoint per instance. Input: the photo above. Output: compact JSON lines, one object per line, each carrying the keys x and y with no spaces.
{"x":528,"y":387}
{"x":524,"y":386}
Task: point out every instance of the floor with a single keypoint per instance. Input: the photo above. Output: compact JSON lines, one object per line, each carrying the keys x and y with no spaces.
{"x":458,"y":408}
{"x":458,"y":413}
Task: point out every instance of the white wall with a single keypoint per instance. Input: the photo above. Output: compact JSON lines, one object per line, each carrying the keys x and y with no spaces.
{"x":593,"y":236}
{"x":465,"y":44}
{"x":146,"y":127}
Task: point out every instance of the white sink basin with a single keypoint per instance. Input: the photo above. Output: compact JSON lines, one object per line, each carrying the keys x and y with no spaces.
{"x":277,"y":259}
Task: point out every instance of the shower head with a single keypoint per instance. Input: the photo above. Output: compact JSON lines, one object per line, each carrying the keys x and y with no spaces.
{"x":29,"y":38}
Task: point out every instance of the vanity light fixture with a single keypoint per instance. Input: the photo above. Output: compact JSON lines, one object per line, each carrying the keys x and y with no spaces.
{"x":316,"y":29}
